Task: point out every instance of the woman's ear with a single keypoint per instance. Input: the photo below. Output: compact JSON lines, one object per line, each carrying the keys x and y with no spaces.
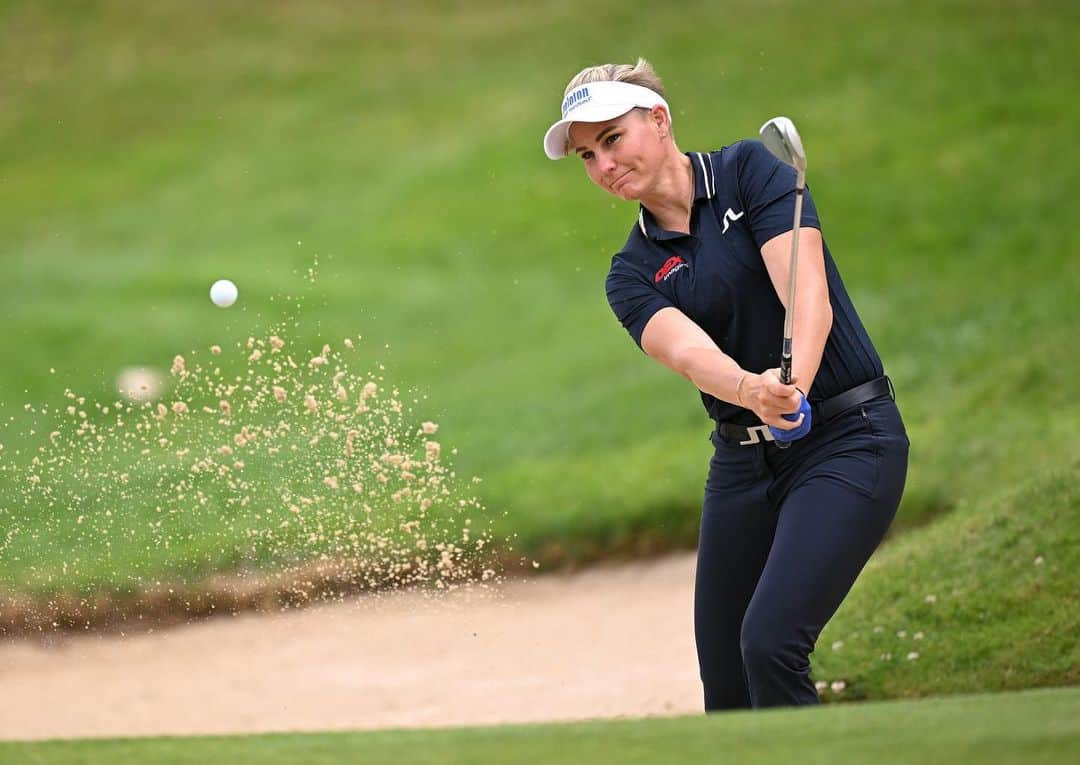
{"x":662,"y":119}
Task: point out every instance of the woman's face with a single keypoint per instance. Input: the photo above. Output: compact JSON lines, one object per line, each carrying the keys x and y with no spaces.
{"x":622,"y":155}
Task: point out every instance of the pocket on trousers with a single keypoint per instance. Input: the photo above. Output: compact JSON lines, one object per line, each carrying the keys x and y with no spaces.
{"x":883,"y":420}
{"x":890,"y":439}
{"x":858,"y":468}
{"x":732,"y":467}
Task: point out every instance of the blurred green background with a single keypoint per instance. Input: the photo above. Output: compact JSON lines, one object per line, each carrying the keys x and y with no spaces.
{"x":149,"y":149}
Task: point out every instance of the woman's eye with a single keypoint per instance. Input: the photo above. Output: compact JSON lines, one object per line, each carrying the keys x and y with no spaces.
{"x":611,"y":138}
{"x":586,"y":155}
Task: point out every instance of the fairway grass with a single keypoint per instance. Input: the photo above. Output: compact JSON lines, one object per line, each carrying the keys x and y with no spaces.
{"x":1030,"y":727}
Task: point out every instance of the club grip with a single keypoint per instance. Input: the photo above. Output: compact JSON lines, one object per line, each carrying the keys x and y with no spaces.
{"x":785,"y":378}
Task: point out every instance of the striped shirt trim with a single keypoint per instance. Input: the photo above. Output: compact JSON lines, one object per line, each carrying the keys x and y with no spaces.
{"x":710,"y":188}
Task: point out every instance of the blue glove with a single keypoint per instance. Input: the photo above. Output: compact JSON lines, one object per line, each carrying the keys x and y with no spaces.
{"x":796,"y":433}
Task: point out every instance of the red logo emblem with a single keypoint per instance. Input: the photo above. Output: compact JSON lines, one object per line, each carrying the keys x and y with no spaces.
{"x":671,"y":264}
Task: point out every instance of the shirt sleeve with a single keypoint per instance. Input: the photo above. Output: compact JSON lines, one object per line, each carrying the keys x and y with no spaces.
{"x":767,"y":189}
{"x":633,"y":299}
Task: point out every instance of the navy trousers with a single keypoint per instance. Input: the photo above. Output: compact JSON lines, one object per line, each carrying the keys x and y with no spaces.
{"x":784,"y":534}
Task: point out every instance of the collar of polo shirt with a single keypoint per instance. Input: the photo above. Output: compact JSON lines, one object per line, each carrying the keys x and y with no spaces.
{"x":597,"y":102}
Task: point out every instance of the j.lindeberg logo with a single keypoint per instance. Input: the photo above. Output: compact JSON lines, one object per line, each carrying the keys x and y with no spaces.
{"x":730,"y":217}
{"x":578,"y":97}
{"x":671,"y":265}
{"x":756,"y":433}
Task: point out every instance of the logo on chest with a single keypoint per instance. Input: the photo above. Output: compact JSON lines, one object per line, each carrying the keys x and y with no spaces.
{"x":730,"y":217}
{"x":671,"y":265}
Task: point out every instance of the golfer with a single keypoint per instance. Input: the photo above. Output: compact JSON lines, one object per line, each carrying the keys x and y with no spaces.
{"x":700,"y":285}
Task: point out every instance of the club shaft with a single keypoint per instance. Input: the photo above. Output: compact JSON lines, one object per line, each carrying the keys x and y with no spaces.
{"x":789,"y":314}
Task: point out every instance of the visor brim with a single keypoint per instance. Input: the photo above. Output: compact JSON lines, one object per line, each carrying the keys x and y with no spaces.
{"x":557,"y":138}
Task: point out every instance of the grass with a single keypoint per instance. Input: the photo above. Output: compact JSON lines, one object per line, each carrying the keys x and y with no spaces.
{"x":146,"y":151}
{"x":1029,"y":727}
{"x":983,"y":599}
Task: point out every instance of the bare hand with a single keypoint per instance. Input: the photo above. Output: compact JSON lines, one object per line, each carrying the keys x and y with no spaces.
{"x":769,"y":398}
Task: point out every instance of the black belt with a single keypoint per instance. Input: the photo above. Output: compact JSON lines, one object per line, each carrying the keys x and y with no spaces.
{"x":823,"y":412}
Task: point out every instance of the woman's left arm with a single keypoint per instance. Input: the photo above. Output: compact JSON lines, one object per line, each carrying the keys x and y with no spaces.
{"x":813,"y":312}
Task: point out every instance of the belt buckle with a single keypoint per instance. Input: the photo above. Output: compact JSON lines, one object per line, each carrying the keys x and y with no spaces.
{"x":756,"y":434}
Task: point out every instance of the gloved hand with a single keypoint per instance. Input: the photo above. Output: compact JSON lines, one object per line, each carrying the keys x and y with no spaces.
{"x":804,"y":427}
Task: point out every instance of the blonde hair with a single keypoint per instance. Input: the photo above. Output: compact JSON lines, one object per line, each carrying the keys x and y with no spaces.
{"x":640,"y":73}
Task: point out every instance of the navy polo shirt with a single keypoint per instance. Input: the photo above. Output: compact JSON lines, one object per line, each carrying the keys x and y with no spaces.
{"x":743,"y":197}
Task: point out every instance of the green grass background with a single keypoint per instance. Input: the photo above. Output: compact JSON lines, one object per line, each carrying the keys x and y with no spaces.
{"x":149,"y":149}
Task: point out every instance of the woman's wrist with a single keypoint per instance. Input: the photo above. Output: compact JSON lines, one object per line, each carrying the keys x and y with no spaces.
{"x":738,"y":389}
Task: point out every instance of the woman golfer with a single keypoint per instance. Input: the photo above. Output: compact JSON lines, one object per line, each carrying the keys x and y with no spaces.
{"x":700,"y":285}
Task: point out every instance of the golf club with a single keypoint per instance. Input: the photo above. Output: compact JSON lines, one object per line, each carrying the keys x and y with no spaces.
{"x":782,"y":139}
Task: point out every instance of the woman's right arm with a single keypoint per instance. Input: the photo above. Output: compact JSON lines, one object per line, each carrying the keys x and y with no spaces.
{"x":674,"y":340}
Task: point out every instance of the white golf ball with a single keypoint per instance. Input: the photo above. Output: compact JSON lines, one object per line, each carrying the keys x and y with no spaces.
{"x":223,"y":293}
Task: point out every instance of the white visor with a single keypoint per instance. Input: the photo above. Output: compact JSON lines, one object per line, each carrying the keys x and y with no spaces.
{"x":597,"y":102}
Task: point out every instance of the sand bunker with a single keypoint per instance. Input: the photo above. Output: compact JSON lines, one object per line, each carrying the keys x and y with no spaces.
{"x":616,"y":640}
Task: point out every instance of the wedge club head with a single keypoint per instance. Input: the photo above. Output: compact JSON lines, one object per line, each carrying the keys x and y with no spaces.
{"x":782,"y":139}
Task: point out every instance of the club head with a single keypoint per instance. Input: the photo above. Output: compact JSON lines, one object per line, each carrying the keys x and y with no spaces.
{"x":782,"y":139}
